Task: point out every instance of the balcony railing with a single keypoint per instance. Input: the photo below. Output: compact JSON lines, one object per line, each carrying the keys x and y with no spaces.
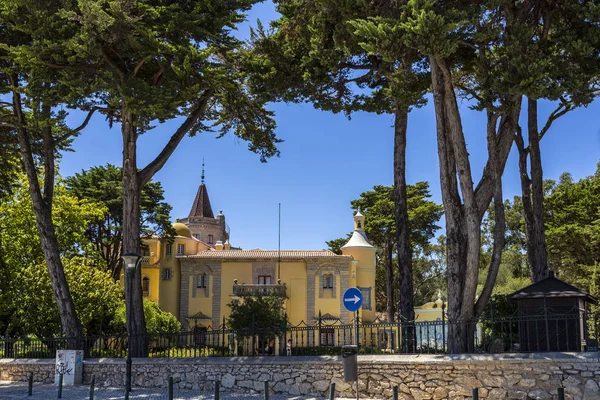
{"x":259,"y":290}
{"x":149,"y":260}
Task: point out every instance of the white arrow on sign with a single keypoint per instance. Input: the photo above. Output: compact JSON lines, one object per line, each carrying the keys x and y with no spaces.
{"x":356,"y":299}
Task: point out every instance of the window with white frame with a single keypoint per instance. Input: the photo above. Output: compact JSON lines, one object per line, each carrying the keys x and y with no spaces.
{"x":168,"y":249}
{"x":180,"y":249}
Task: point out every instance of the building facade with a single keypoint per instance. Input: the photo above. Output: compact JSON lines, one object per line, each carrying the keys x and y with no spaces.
{"x":196,"y":274}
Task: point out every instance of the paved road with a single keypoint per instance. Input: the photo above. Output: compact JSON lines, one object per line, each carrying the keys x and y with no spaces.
{"x":18,"y":390}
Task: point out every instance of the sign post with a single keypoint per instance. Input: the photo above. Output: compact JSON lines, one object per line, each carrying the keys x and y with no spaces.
{"x":352,"y":301}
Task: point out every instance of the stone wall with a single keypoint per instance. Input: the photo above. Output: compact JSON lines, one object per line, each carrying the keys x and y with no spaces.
{"x":535,"y":376}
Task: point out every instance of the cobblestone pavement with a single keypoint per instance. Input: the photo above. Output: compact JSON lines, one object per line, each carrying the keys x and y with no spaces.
{"x":18,"y":390}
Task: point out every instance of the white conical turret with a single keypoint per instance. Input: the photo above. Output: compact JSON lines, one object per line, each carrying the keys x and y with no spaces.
{"x":359,"y":237}
{"x":362,"y":270}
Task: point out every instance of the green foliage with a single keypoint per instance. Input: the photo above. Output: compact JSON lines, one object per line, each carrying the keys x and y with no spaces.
{"x":314,"y":53}
{"x":253,"y":313}
{"x":151,"y":60}
{"x":95,"y":295}
{"x":336,"y":245}
{"x":19,"y":231}
{"x":26,"y":296}
{"x":103,"y":185}
{"x":572,"y":221}
{"x":157,"y":320}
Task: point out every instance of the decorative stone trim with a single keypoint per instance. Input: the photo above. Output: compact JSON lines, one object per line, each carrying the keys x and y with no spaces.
{"x":216,"y":295}
{"x":322,"y":271}
{"x":264,"y":268}
{"x":366,"y":295}
{"x":311,"y":270}
{"x":344,"y":282}
{"x":184,"y":299}
{"x":198,"y":271}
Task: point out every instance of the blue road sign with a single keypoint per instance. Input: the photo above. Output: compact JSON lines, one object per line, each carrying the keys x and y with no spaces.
{"x":352,"y":299}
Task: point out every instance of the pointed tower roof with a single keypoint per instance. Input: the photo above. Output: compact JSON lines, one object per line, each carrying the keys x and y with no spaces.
{"x":201,"y":206}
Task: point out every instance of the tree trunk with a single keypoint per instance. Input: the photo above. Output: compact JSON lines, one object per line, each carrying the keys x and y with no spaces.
{"x":136,"y":324}
{"x":405,"y":275}
{"x":42,"y":208}
{"x":536,"y":239}
{"x":463,"y":220}
{"x":455,"y":237}
{"x":389,"y":283}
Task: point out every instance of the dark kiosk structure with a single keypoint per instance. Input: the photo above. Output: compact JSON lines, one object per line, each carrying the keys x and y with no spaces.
{"x":552,"y":316}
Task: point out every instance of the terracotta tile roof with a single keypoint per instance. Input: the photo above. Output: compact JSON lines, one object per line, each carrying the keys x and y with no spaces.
{"x":201,"y":206}
{"x":267,"y":254}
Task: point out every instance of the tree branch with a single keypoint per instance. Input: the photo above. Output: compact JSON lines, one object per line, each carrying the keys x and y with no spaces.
{"x":6,"y":124}
{"x":506,"y":132}
{"x":85,"y":122}
{"x":114,"y":66}
{"x":139,"y":65}
{"x":357,"y":67}
{"x":499,"y":220}
{"x":155,"y":165}
{"x":556,"y":114}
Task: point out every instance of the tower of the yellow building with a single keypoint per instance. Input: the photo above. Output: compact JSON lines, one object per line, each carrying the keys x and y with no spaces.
{"x":362,"y":275}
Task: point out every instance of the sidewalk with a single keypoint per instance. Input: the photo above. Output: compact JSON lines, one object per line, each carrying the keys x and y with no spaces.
{"x":18,"y":390}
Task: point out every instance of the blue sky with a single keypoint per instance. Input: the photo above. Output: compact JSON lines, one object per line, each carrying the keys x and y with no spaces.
{"x":326,"y":161}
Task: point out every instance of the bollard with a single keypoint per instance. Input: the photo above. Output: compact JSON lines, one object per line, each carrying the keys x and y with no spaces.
{"x":266,"y":390}
{"x":170,"y":388}
{"x":217,"y":389}
{"x":395,"y":393}
{"x":475,"y":394}
{"x":30,"y":384}
{"x":92,"y":387}
{"x":332,"y":391}
{"x":561,"y":393}
{"x":60,"y":380}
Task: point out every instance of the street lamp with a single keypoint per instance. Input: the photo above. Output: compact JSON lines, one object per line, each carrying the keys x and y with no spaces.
{"x":131,"y":261}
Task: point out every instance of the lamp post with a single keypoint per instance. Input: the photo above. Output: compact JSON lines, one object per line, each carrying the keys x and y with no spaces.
{"x":130,"y":260}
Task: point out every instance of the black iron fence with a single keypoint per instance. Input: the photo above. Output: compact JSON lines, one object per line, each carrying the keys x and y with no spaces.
{"x":571,"y":332}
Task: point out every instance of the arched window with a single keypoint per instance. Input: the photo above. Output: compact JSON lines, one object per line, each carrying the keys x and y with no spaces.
{"x":202,"y":281}
{"x":146,"y":286}
{"x":327,"y":285}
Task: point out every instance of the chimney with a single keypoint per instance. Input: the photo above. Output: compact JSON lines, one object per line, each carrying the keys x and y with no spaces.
{"x":227,"y":246}
{"x":219,"y":245}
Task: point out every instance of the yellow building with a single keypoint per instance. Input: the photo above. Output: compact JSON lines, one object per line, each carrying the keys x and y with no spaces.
{"x":198,"y":273}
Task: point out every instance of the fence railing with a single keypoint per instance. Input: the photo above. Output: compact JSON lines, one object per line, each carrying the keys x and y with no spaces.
{"x":567,"y":333}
